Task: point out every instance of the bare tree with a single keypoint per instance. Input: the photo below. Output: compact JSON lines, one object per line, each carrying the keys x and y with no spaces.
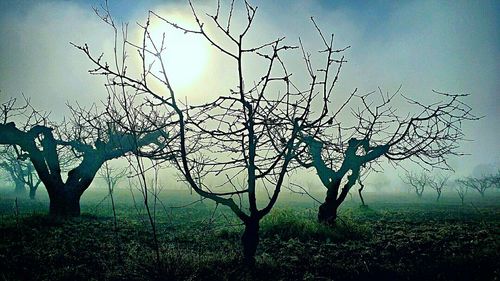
{"x":9,"y":158}
{"x":480,"y":184}
{"x":83,"y":137}
{"x":14,"y":168}
{"x":32,"y":180}
{"x":112,"y":177}
{"x":251,"y":134}
{"x":21,"y":172}
{"x":339,"y":147}
{"x":438,"y":183}
{"x":417,"y":181}
{"x":461,"y":190}
{"x":495,"y":179}
{"x":258,"y":130}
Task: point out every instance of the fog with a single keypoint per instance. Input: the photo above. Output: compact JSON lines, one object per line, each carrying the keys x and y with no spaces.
{"x":422,"y":45}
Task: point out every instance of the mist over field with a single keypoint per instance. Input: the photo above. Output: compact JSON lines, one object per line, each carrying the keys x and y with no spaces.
{"x":249,"y":140}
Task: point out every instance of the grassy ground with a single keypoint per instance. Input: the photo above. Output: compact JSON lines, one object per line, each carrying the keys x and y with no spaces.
{"x":396,"y":238}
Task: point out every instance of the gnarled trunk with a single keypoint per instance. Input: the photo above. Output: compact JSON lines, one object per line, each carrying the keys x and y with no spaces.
{"x":250,"y":240}
{"x":65,"y":196}
{"x":65,"y":202}
{"x":327,"y":213}
{"x":360,"y":190}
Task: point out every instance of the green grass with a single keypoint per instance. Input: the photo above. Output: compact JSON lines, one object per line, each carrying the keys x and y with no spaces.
{"x":302,"y":225}
{"x":395,"y":238}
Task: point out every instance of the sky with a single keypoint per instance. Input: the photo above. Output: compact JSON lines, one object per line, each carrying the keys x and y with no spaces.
{"x":450,"y":46}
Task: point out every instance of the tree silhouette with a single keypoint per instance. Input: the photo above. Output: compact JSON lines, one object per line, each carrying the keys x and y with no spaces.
{"x":438,"y":183}
{"x":82,"y":140}
{"x":338,"y":148}
{"x":22,"y":173}
{"x":495,"y":179}
{"x":13,"y":167}
{"x":480,"y":184}
{"x":426,"y":138}
{"x":417,"y":181}
{"x":261,"y":131}
{"x":461,"y":190}
{"x":252,"y":134}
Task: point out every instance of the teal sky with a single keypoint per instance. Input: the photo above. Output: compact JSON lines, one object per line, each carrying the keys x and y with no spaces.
{"x":451,"y":46}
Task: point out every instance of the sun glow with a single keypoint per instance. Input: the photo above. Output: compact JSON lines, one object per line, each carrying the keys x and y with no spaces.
{"x":185,"y":55}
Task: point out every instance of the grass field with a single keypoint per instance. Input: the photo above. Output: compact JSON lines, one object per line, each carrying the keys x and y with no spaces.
{"x":397,"y":237}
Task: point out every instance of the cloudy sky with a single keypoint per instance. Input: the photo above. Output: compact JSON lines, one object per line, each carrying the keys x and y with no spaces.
{"x":450,"y":46}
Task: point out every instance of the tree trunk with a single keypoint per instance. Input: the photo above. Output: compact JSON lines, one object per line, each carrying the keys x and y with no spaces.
{"x":250,"y":240}
{"x":419,"y":194}
{"x":360,"y":190}
{"x":65,"y":203}
{"x":32,"y":193}
{"x":327,"y":213}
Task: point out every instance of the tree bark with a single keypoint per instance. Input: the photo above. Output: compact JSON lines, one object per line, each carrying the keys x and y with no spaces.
{"x":65,"y":203}
{"x":32,"y":193}
{"x":327,"y":213}
{"x":250,"y":240}
{"x":360,"y":190}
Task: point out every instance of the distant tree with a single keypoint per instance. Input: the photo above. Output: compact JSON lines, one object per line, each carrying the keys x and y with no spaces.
{"x":417,"y":181}
{"x":9,"y":161}
{"x":22,"y":173}
{"x":494,"y":179}
{"x":438,"y":183}
{"x":15,"y":172}
{"x":84,"y":137}
{"x":480,"y":184}
{"x":461,"y":190}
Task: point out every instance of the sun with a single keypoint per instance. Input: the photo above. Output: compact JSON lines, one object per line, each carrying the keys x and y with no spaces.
{"x":185,"y":56}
